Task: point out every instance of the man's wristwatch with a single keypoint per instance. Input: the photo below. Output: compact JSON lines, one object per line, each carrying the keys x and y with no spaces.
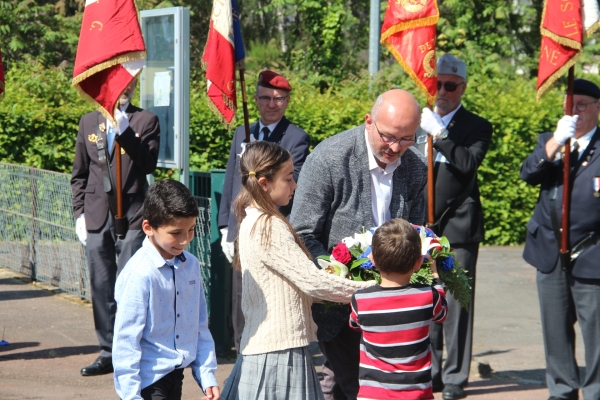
{"x":443,"y":134}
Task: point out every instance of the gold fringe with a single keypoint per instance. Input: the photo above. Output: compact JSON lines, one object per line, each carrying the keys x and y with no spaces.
{"x":415,"y":23}
{"x":411,"y":73}
{"x":554,"y":77}
{"x":134,"y":55}
{"x":228,"y":125}
{"x":561,"y":40}
{"x":592,"y":29}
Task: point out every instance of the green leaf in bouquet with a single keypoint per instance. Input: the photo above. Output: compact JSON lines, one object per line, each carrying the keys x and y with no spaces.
{"x":324,"y":257}
{"x":358,"y":263}
{"x":356,"y":274}
{"x":445,"y":242}
{"x":423,"y":275}
{"x":370,"y":275}
{"x":355,"y":251}
{"x":458,"y":284}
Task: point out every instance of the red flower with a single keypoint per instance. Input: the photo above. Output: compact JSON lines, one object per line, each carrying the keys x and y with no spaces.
{"x":341,"y":253}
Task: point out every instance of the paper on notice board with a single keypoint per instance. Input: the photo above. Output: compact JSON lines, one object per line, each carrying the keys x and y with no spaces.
{"x":162,"y":88}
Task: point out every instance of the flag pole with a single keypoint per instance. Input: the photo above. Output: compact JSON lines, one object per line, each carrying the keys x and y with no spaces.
{"x":245,"y":105}
{"x":565,"y":255}
{"x":430,"y":180}
{"x":120,"y":222}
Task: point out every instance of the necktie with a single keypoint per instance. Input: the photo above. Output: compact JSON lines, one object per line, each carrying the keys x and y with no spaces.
{"x":575,"y":152}
{"x":110,"y":138}
{"x":264,"y":133}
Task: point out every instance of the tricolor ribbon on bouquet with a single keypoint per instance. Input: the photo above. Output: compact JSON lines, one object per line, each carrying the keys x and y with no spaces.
{"x":110,"y":54}
{"x":565,"y":25}
{"x":224,"y":51}
{"x":409,"y":31}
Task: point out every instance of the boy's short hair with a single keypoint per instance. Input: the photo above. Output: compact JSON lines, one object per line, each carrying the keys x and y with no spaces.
{"x":396,"y":247}
{"x":167,"y":200}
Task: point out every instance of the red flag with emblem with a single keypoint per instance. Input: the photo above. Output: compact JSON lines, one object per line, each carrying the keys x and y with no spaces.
{"x":110,"y":53}
{"x":1,"y":77}
{"x":409,"y":32}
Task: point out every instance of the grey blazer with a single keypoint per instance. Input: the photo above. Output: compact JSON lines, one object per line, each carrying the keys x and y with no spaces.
{"x":333,"y":200}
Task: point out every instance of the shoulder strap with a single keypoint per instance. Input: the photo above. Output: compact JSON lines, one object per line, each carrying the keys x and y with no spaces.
{"x":107,"y":182}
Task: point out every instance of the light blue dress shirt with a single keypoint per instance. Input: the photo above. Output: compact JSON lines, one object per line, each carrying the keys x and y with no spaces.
{"x":161,"y":322}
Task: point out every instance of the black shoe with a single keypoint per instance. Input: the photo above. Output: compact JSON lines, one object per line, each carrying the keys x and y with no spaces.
{"x":102,"y":366}
{"x":452,"y":392}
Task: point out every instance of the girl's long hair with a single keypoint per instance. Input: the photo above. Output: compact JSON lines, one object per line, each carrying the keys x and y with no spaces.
{"x":264,"y":159}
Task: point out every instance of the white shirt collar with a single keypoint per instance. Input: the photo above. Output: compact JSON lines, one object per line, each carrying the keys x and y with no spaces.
{"x":448,"y":117}
{"x":584,"y":141}
{"x":389,"y":168}
{"x":271,"y":126}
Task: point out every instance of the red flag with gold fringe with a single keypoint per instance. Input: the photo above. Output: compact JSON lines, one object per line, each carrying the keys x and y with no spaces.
{"x":409,"y":31}
{"x":110,"y":54}
{"x":1,"y":77}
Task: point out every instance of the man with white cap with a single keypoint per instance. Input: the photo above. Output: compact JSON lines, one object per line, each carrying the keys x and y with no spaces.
{"x":461,"y":140}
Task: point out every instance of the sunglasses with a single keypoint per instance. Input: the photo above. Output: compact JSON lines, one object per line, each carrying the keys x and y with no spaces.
{"x":449,"y":86}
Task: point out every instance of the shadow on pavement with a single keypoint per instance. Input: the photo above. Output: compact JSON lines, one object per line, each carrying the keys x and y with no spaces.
{"x":18,"y":345}
{"x":50,"y":353}
{"x":23,"y":294}
{"x":490,"y":386}
{"x":10,"y":281}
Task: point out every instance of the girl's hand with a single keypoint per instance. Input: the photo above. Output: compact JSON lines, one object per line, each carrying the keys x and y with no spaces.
{"x":212,"y":393}
{"x":433,"y":265}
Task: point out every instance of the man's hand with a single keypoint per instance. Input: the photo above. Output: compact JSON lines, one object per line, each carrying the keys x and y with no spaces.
{"x":432,"y":123}
{"x":228,"y":248}
{"x":212,"y":393}
{"x":80,"y":229}
{"x":565,"y":129}
{"x":122,"y":121}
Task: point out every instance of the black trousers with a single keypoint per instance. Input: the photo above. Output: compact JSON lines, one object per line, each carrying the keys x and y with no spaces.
{"x":340,"y":370}
{"x":166,"y":388}
{"x":457,"y":330}
{"x":565,"y":300}
{"x":102,"y":250}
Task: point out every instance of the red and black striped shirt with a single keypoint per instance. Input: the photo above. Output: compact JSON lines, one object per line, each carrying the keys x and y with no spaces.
{"x":395,"y":352}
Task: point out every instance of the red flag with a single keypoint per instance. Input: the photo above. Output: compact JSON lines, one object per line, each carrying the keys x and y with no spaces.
{"x":110,"y":53}
{"x":1,"y":77}
{"x":562,"y":38}
{"x":224,"y":48}
{"x":409,"y":32}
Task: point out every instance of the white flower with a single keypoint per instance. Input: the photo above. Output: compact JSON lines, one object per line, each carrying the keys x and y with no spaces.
{"x":333,"y":267}
{"x":365,"y":239}
{"x":350,"y":241}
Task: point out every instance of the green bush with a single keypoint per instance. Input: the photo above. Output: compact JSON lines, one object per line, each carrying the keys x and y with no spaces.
{"x":40,"y":113}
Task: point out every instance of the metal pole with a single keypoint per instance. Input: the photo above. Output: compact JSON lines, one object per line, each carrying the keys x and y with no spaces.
{"x":564,"y":242}
{"x":374,"y":34}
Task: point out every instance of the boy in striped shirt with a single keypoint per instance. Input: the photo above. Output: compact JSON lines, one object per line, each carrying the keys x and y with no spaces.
{"x":394,"y":317}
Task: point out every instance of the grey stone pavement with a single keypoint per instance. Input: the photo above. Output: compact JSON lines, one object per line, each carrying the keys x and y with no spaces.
{"x":51,"y":338}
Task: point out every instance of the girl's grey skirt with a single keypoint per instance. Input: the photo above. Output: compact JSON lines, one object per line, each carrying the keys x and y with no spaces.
{"x":280,"y":375}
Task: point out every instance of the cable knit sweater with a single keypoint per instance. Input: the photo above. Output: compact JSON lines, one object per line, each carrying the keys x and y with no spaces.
{"x":278,"y":286}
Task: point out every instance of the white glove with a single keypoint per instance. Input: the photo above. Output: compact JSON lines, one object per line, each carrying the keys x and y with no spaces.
{"x":565,"y":128}
{"x":122,"y":121}
{"x":80,"y":229}
{"x":432,"y":123}
{"x":227,"y":247}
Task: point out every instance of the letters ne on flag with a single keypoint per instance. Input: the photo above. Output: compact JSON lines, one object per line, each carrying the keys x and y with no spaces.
{"x":409,"y":31}
{"x":224,"y":49}
{"x":110,"y":53}
{"x":565,"y":23}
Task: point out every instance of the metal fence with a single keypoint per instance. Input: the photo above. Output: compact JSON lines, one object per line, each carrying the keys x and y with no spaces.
{"x":37,"y":230}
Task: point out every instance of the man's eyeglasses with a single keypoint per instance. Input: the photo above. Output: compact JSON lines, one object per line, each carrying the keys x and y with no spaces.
{"x":449,"y":86}
{"x":391,"y":140}
{"x":276,"y":100}
{"x":581,"y":107}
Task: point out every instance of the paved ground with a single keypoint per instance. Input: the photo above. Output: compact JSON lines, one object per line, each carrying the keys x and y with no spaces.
{"x":51,"y":337}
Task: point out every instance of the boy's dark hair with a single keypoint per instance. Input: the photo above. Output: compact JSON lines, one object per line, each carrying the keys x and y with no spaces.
{"x":396,"y":247}
{"x":167,"y":200}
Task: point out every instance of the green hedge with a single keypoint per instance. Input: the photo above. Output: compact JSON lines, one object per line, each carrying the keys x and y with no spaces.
{"x":40,"y":113}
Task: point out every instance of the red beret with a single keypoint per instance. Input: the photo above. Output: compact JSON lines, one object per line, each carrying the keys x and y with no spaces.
{"x":273,"y":80}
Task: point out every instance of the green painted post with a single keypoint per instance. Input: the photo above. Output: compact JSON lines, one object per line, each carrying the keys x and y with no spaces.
{"x":220,"y":277}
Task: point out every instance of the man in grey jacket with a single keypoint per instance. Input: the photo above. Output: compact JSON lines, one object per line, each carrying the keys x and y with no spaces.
{"x":358,"y":178}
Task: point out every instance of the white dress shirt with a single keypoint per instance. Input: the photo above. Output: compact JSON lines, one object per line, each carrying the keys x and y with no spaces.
{"x":261,"y":126}
{"x":446,"y":120}
{"x":111,"y":132}
{"x":583,"y":141}
{"x":381,"y":187}
{"x":161,"y":322}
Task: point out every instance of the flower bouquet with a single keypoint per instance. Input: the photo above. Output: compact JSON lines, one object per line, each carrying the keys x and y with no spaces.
{"x":350,"y":259}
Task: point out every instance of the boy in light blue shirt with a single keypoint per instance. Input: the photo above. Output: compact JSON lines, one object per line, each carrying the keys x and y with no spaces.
{"x":161,"y":325}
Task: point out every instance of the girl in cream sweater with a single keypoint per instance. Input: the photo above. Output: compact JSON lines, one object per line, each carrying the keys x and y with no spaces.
{"x":279,"y":282}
